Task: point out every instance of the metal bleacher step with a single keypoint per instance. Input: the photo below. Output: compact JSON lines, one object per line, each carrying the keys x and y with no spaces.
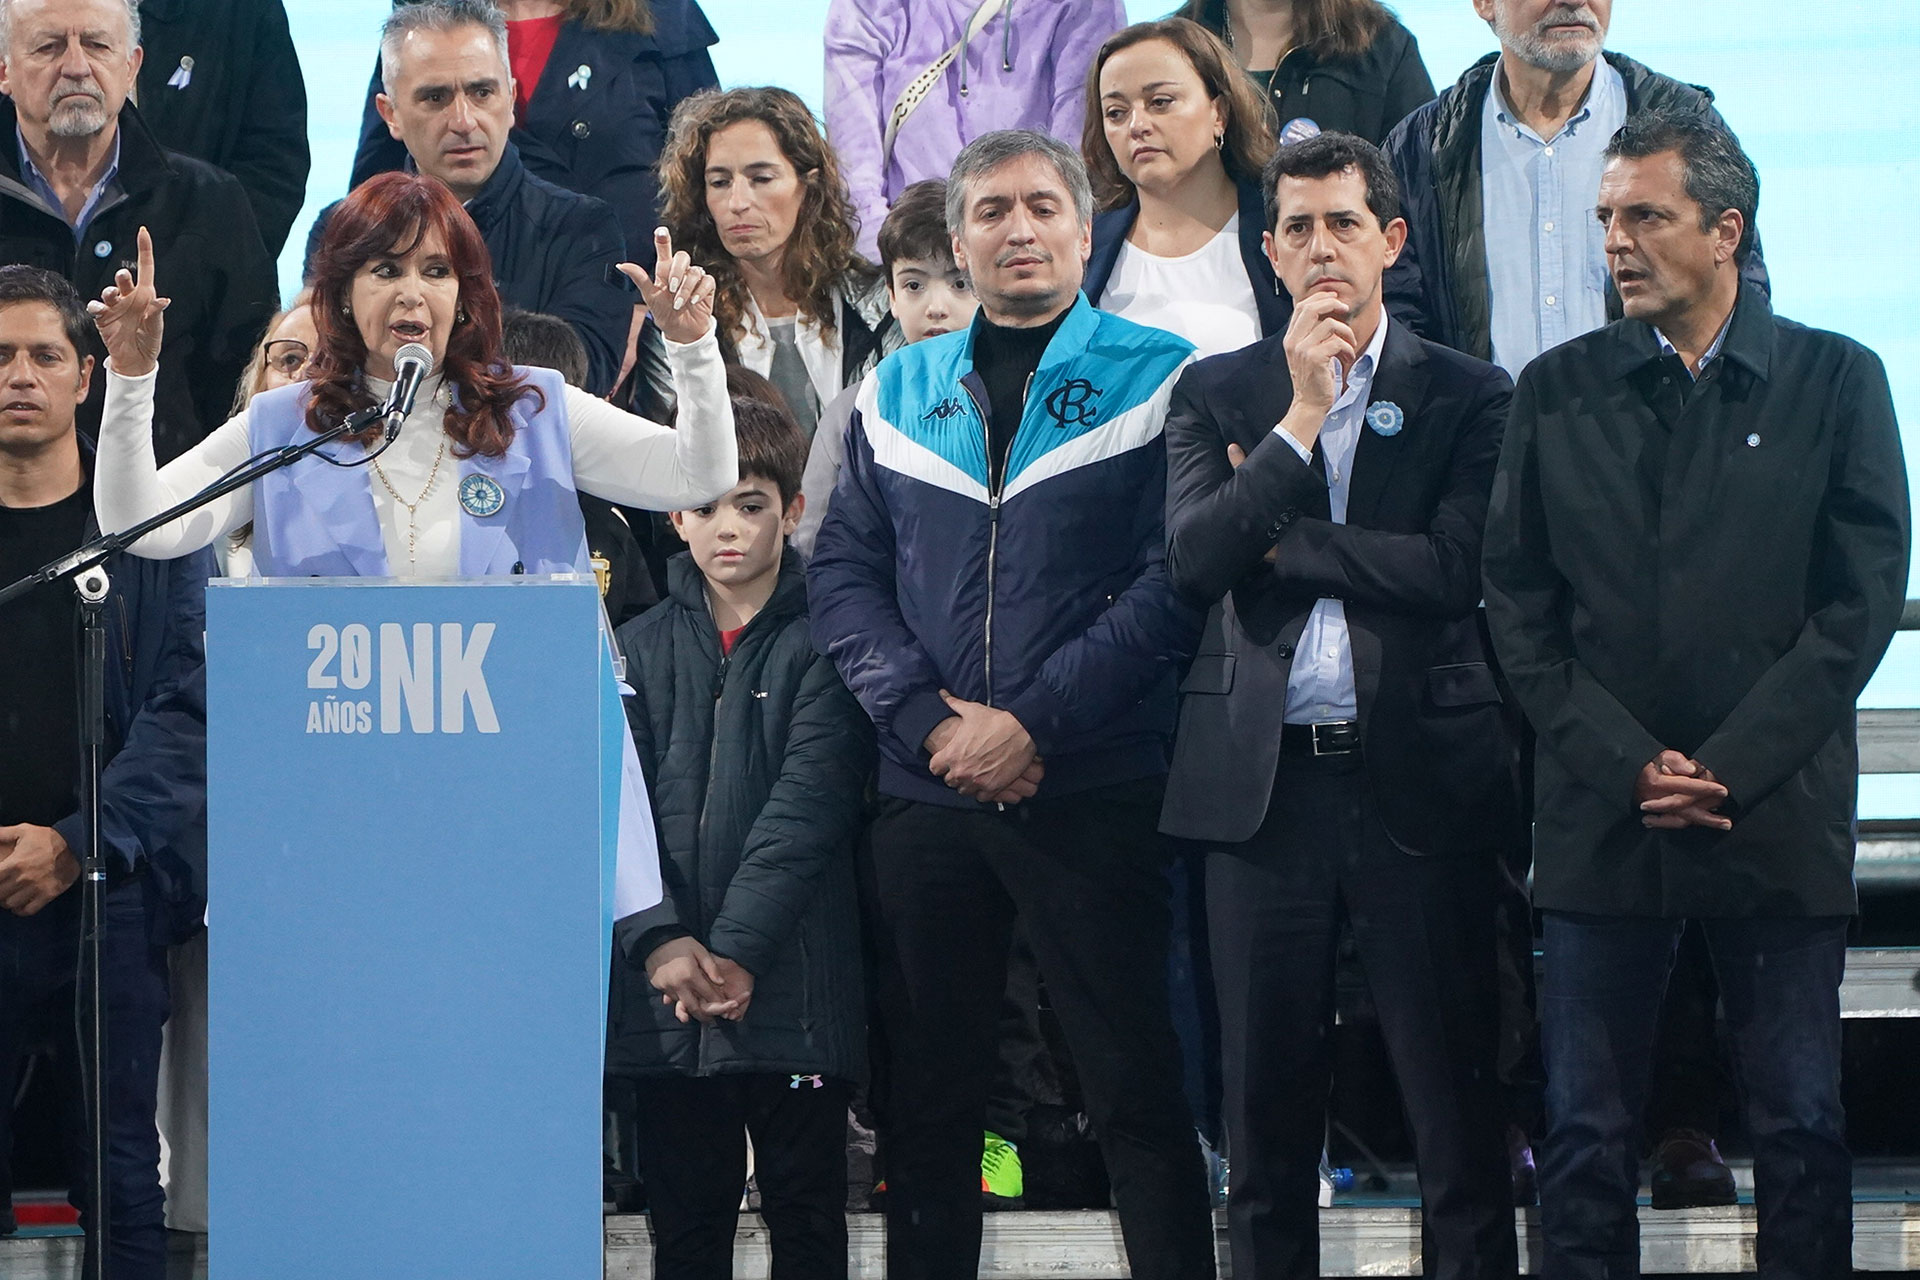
{"x":1362,"y":1235}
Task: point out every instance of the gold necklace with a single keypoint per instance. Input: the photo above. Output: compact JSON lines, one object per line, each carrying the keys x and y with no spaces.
{"x":413,"y":529}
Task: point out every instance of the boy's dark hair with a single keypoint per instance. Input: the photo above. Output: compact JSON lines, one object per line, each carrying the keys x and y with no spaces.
{"x":1326,"y":154}
{"x":1719,"y":174}
{"x":544,"y":342}
{"x":916,"y":227}
{"x":32,"y":284}
{"x":772,"y":446}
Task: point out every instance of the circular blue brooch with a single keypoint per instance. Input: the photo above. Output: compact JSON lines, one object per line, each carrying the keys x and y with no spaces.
{"x":1298,"y":129}
{"x":1384,"y":417}
{"x":481,"y":496}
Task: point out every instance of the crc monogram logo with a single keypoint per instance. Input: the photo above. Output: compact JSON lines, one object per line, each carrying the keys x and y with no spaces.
{"x":1072,"y":404}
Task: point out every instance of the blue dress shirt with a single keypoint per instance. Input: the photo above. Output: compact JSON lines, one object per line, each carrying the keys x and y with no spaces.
{"x":1546,"y":253}
{"x":1320,"y":682}
{"x":1713,"y":349}
{"x":38,"y":184}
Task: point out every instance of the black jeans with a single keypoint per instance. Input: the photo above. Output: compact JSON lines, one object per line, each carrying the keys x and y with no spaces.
{"x":693,"y":1156}
{"x":1600,"y":1003}
{"x":38,"y":958}
{"x":1086,"y":874}
{"x":1425,"y":931}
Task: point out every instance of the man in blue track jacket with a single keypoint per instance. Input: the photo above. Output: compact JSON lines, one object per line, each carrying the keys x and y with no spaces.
{"x":991,"y":583}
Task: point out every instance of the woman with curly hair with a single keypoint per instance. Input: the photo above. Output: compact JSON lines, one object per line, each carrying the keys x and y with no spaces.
{"x":753,"y":190}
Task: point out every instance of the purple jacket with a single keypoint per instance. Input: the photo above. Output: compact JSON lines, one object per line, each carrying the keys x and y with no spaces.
{"x":1026,"y":70}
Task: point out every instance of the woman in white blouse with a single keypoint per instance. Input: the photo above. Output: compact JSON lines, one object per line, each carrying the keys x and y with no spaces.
{"x":483,"y":446}
{"x":1175,"y":141}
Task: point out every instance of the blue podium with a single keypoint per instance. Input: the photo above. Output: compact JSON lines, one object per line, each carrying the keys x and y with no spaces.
{"x":413,"y":794}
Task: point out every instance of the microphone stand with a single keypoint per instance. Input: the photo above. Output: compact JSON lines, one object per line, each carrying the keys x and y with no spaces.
{"x":86,"y":567}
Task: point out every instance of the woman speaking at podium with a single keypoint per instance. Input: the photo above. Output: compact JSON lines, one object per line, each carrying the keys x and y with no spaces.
{"x":482,"y":477}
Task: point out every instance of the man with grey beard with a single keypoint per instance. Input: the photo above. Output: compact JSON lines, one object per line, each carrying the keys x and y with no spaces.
{"x":80,"y":174}
{"x":1499,"y":174}
{"x":1505,"y":259}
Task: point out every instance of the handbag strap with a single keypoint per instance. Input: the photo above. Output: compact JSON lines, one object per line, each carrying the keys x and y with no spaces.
{"x":921,"y":85}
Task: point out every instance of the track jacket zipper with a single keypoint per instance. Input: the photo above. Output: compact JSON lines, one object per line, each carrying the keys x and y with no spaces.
{"x":996,"y":478}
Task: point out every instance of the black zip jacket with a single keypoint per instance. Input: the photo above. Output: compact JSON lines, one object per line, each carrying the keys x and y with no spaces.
{"x":1365,"y":95}
{"x":758,"y":766}
{"x":243,"y":104}
{"x":553,"y":251}
{"x":1438,"y":287}
{"x":207,"y":255}
{"x":599,"y":134}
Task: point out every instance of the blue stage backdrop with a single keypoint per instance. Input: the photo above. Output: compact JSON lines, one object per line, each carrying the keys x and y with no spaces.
{"x":1822,"y":95}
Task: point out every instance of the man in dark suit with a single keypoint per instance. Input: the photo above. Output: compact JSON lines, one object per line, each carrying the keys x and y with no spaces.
{"x":1340,"y":744}
{"x":1696,"y":555}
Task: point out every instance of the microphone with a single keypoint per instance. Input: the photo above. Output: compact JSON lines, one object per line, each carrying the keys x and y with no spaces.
{"x":411,"y":364}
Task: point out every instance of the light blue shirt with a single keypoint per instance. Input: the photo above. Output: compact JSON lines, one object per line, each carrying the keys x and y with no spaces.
{"x":38,"y":184}
{"x":1320,"y":682}
{"x":1719,"y":340}
{"x":1546,"y":253}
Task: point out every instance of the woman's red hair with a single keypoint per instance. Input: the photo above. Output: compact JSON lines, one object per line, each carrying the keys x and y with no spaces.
{"x":385,"y":217}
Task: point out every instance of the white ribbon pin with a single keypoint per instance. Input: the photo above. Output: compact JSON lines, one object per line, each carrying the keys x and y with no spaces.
{"x":580,"y":76}
{"x":183,"y":74}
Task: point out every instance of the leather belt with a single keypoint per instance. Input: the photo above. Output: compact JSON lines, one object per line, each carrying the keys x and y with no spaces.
{"x":1327,"y":738}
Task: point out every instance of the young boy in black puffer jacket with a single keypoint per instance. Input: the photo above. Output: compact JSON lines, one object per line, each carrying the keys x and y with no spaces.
{"x":750,"y":1016}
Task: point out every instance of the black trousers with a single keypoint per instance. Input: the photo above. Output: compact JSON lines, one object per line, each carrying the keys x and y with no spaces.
{"x":1086,"y":875}
{"x":693,"y":1156}
{"x":38,"y":967}
{"x":1424,"y":928}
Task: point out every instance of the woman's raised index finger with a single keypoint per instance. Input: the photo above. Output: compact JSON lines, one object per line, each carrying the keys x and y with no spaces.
{"x":662,"y":253}
{"x":145,"y":257}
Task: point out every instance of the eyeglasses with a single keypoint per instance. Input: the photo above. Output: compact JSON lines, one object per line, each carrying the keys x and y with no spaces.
{"x":288,"y":357}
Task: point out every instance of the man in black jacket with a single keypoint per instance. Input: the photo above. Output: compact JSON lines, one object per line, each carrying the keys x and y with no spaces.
{"x":597,"y":117}
{"x":153,"y":788}
{"x":1503,"y":261}
{"x":220,"y":81}
{"x":1340,"y":750}
{"x":1497,"y":281}
{"x":1696,"y":555}
{"x":82,"y":174}
{"x":449,"y":99}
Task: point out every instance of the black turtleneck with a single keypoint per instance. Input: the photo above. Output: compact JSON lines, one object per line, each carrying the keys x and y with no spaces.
{"x":40,"y":665}
{"x":1005,"y":358}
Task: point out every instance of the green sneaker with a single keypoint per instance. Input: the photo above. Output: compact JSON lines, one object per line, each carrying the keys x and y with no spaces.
{"x":1003,"y":1185}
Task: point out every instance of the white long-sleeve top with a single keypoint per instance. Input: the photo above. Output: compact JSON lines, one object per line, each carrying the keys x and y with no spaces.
{"x":616,"y":456}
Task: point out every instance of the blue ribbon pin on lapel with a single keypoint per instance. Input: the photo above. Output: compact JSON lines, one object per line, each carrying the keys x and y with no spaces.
{"x":581,"y":75}
{"x":1385,"y":418}
{"x":183,"y":75}
{"x":481,"y":496}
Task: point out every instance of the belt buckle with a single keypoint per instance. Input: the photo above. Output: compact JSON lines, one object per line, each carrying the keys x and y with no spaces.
{"x":1335,"y":729}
